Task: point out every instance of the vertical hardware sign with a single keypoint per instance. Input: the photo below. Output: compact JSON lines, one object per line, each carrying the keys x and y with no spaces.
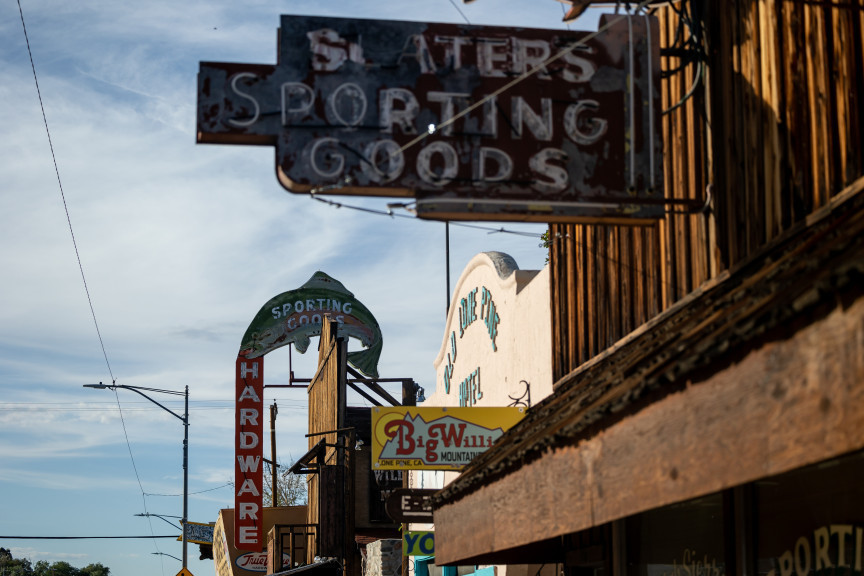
{"x":249,"y":451}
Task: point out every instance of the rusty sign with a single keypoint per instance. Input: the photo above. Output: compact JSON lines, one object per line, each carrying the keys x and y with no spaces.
{"x":474,"y":122}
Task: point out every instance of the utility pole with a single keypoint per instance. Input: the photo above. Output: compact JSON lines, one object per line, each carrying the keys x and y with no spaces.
{"x":185,"y":420}
{"x":273,"y":472}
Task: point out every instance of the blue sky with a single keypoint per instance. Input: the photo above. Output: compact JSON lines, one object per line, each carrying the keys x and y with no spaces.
{"x":181,"y":244}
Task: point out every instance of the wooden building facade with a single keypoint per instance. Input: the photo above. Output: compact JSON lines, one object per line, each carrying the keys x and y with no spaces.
{"x":762,"y":125}
{"x":346,"y":498}
{"x":708,"y":412}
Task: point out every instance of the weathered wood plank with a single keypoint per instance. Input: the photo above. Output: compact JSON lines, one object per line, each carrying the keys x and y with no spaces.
{"x":657,"y":457}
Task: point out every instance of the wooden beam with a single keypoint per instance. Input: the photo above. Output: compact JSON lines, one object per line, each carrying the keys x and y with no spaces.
{"x":785,"y":405}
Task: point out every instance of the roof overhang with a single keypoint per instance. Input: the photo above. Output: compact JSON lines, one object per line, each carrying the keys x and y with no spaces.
{"x":701,"y":398}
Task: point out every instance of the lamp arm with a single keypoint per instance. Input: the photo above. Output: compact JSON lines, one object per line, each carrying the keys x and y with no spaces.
{"x":181,"y":418}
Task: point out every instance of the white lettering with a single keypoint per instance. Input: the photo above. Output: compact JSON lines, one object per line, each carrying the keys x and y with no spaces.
{"x":248,"y":487}
{"x":249,"y":394}
{"x":453,"y":49}
{"x":330,"y":164}
{"x":448,"y":108}
{"x":244,"y":370}
{"x":572,"y":125}
{"x":403,"y":117}
{"x":248,"y":510}
{"x":386,"y":162}
{"x":249,"y":97}
{"x":248,"y":416}
{"x":248,"y":440}
{"x":490,"y":55}
{"x":248,"y":535}
{"x":297,"y":101}
{"x":556,"y":177}
{"x":444,"y":173}
{"x":346,"y":105}
{"x":490,"y":118}
{"x":421,"y":53}
{"x":530,"y":54}
{"x":500,"y":158}
{"x":248,"y":463}
{"x":541,"y":128}
{"x":347,"y":307}
{"x":586,"y":68}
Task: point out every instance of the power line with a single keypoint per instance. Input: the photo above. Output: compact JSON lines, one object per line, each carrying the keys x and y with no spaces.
{"x":62,"y":194}
{"x":389,"y":212}
{"x":80,"y":264}
{"x":456,"y":6}
{"x":190,"y":493}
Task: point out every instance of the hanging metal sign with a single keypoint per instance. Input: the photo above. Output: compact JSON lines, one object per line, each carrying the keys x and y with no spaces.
{"x":289,"y":318}
{"x":294,"y":316}
{"x":248,"y":453}
{"x":405,"y":505}
{"x":198,"y":533}
{"x":474,"y":122}
{"x":431,"y":438}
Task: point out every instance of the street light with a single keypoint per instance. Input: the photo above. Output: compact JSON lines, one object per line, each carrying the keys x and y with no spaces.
{"x":185,"y":420}
{"x":164,"y":554}
{"x":163,"y":517}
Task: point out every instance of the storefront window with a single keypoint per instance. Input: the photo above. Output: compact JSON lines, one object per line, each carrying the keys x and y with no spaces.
{"x":684,"y":539}
{"x":810,"y":522}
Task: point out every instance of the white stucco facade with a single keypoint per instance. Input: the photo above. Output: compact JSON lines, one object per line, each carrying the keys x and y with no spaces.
{"x":495,"y":350}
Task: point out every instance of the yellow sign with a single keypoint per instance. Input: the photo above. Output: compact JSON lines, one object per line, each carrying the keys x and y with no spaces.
{"x":436,"y":438}
{"x":184,"y":572}
{"x":418,"y":544}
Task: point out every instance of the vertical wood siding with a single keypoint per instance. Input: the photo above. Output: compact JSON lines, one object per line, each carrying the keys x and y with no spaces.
{"x":774,"y":127}
{"x":326,"y":409}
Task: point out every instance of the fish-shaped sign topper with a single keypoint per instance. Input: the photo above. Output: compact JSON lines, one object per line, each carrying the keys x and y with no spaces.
{"x":294,"y":316}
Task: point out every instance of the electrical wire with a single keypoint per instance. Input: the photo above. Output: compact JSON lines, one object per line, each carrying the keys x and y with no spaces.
{"x":389,"y":212}
{"x":191,"y":493}
{"x":456,"y":6}
{"x":78,"y":258}
{"x":135,"y":468}
{"x":62,"y":194}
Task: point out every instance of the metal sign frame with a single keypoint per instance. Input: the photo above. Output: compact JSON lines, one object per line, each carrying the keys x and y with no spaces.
{"x":474,"y":122}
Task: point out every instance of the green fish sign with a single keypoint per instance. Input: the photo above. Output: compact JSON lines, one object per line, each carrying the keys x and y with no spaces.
{"x":294,"y":316}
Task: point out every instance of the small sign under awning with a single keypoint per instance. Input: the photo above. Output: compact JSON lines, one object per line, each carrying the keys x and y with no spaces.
{"x":410,"y":505}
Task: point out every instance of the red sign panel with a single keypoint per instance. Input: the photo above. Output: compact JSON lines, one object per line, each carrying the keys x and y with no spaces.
{"x":475,"y":122}
{"x":249,"y":453}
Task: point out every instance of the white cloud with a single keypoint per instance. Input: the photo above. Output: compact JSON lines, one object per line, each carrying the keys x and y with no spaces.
{"x":181,"y":244}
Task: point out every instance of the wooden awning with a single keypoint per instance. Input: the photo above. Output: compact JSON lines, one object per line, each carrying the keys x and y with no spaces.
{"x":757,"y":372}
